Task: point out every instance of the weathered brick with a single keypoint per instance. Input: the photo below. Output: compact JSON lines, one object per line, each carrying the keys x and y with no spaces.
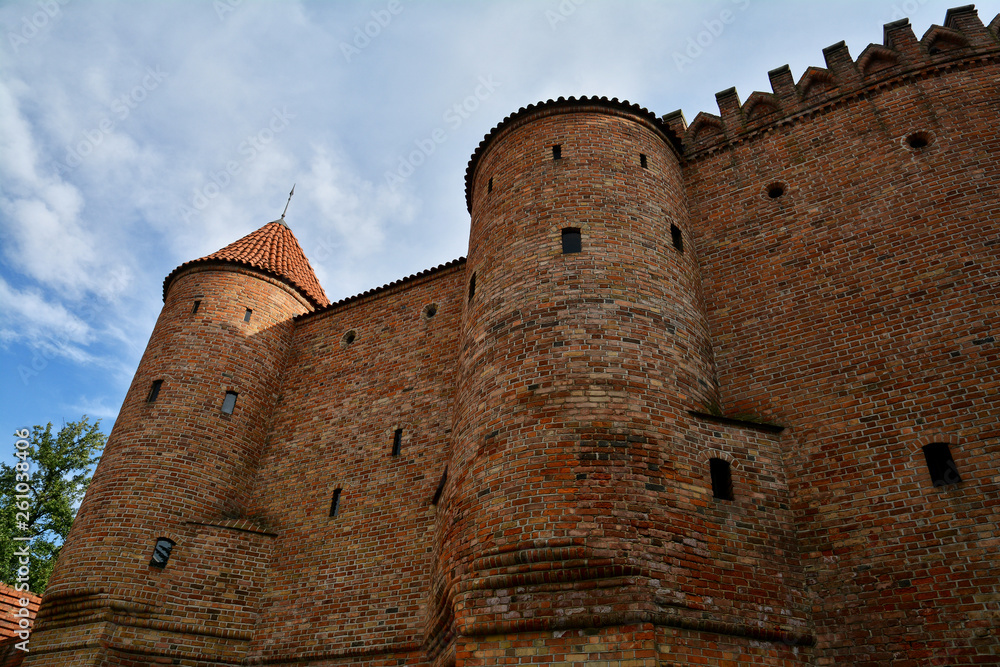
{"x":837,"y":275}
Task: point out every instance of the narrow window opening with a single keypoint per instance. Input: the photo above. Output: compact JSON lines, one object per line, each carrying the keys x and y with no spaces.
{"x":677,"y":237}
{"x":154,"y":391}
{"x":229,"y":403}
{"x":194,"y":308}
{"x":557,"y":152}
{"x":571,"y":240}
{"x":161,"y":552}
{"x":642,"y":161}
{"x":722,"y":479}
{"x":489,"y":187}
{"x":940,"y":464}
{"x":440,"y":489}
{"x":397,"y":442}
{"x":246,"y":315}
{"x":472,"y":286}
{"x":335,"y":503}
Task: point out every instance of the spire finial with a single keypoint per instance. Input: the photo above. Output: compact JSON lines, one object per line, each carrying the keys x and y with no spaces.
{"x":288,"y":202}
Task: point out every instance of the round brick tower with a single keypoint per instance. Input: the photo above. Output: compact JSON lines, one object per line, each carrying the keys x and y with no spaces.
{"x":584,"y":344}
{"x":181,"y":453}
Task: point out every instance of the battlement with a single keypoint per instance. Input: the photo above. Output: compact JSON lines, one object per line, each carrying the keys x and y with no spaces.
{"x":963,"y":39}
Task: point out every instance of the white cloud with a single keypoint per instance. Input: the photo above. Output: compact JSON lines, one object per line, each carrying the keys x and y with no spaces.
{"x":358,"y":210}
{"x":30,"y":317}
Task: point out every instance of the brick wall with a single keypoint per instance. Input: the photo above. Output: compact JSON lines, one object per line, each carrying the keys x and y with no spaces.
{"x":859,"y":309}
{"x":358,"y":584}
{"x":839,"y":277}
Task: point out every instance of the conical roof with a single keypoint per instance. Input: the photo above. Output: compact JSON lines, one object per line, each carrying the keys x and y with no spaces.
{"x":272,"y":249}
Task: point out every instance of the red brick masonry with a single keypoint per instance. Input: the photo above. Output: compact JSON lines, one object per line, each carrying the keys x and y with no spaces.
{"x":508,"y":459}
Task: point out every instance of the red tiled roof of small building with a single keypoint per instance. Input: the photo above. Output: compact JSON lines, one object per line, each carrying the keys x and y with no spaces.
{"x":10,"y":603}
{"x":273,"y":249}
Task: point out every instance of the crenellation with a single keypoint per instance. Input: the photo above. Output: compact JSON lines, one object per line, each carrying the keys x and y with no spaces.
{"x":965,"y":21}
{"x":760,"y":108}
{"x":783,"y":86}
{"x":730,"y":111}
{"x":817,"y":84}
{"x":941,"y":42}
{"x":899,"y":38}
{"x":900,"y":55}
{"x":676,"y":122}
{"x":706,"y":130}
{"x":841,"y":65}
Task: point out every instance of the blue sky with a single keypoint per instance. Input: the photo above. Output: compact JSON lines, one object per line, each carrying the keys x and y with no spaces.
{"x":137,"y":136}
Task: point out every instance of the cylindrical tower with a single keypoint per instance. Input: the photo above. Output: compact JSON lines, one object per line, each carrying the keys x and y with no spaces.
{"x":584,"y":343}
{"x":191,"y":430}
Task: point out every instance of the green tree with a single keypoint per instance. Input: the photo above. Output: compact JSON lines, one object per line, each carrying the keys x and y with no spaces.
{"x":58,"y":469}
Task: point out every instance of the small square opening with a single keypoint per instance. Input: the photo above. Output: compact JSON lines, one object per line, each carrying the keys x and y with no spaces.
{"x":940,"y":464}
{"x":572,"y":241}
{"x":229,"y":403}
{"x":161,"y":552}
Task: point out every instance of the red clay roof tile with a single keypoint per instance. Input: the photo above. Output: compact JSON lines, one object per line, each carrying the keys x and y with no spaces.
{"x":274,"y":249}
{"x":9,"y":604}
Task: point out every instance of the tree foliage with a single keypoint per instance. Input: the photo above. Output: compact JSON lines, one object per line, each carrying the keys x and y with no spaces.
{"x":58,"y":469}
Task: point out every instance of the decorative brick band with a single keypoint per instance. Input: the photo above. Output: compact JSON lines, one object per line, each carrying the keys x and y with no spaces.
{"x":354,"y":652}
{"x":241,"y":525}
{"x":553,"y":572}
{"x":739,"y":423}
{"x":181,"y":628}
{"x":671,"y":619}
